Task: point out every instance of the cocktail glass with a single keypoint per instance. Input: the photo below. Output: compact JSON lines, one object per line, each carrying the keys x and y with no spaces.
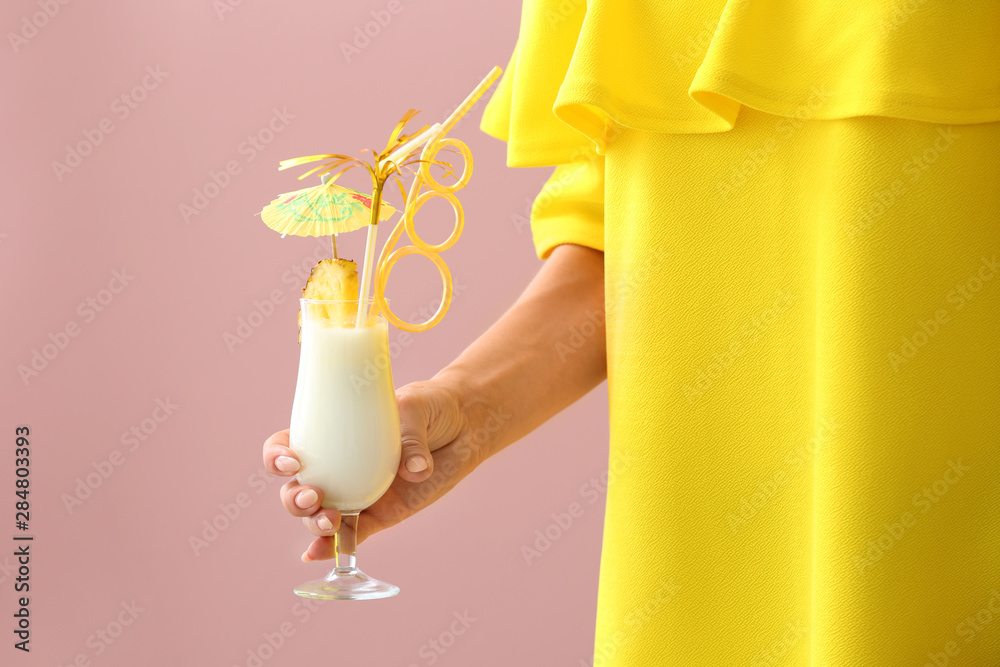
{"x":345,"y":430}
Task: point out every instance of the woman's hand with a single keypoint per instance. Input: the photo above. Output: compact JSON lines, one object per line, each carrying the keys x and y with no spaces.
{"x":508,"y":382}
{"x":438,"y":450}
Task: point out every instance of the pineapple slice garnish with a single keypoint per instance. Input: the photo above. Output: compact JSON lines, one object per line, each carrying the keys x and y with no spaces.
{"x":333,"y":279}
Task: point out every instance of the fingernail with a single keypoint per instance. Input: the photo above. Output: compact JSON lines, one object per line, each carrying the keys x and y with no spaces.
{"x":324,"y":523}
{"x":305,"y":557}
{"x":286,"y":464}
{"x":306,"y":499}
{"x":416,"y":464}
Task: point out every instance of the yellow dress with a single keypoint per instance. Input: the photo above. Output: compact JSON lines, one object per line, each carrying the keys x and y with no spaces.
{"x":799,"y":205}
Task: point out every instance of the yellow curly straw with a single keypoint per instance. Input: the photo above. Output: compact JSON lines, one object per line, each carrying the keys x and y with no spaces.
{"x":414,"y":200}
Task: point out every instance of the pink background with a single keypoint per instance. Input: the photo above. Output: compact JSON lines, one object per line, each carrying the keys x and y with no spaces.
{"x":162,"y":337}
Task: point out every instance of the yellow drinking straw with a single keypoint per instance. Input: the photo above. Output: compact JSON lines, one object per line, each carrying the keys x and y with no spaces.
{"x":435,"y":137}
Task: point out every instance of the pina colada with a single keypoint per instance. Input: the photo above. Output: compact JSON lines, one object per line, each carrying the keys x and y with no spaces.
{"x":345,"y":420}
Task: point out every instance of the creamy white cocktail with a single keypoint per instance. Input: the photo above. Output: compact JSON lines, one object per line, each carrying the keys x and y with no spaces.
{"x":345,"y":420}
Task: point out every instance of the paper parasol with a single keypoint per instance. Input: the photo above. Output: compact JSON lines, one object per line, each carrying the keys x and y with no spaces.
{"x":322,"y":210}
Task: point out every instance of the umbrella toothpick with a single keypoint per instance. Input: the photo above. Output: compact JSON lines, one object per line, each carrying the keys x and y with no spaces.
{"x":334,"y":238}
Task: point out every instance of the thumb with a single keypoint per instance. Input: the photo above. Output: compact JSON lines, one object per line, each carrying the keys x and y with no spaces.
{"x":415,"y":462}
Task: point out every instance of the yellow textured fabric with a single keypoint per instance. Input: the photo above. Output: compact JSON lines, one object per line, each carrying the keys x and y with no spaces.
{"x":689,"y":66}
{"x":570,"y":207}
{"x":799,"y":206}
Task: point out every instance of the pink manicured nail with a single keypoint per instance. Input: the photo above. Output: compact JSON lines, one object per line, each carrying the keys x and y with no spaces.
{"x":305,"y":557}
{"x":286,"y":464}
{"x":324,"y":523}
{"x":416,"y":464}
{"x":306,"y":499}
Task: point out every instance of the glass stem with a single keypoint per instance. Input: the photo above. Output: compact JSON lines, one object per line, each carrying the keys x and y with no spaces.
{"x":346,"y":542}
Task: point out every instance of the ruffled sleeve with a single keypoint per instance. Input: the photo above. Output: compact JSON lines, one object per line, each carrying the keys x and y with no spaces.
{"x":570,"y":206}
{"x":520,"y":111}
{"x":583,"y":70}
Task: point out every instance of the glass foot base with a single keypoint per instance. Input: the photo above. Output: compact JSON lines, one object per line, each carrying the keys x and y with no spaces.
{"x":346,"y":584}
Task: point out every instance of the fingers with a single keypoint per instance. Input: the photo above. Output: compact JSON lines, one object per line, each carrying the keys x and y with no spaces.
{"x":300,"y":500}
{"x":415,"y":462}
{"x":279,"y":459}
{"x":324,"y":547}
{"x":320,"y":549}
{"x":323,"y":523}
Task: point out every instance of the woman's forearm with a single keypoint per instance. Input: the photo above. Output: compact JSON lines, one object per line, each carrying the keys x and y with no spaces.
{"x":543,"y":354}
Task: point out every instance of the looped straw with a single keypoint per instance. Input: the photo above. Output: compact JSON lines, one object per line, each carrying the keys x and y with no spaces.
{"x":414,"y":201}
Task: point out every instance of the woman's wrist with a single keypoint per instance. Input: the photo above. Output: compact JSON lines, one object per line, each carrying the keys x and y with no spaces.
{"x":485,"y":418}
{"x":512,"y":379}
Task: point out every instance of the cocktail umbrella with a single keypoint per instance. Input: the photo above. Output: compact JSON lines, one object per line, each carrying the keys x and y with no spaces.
{"x":319,"y":211}
{"x":322,"y":210}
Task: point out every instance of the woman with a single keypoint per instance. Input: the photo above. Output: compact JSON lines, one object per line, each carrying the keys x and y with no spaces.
{"x":786,"y":215}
